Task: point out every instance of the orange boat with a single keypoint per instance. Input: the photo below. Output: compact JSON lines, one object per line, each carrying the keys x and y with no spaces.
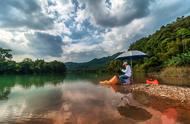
{"x":152,"y":82}
{"x":114,"y":80}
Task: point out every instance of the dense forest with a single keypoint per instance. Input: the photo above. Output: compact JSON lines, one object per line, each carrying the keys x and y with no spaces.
{"x":169,"y":46}
{"x":28,"y":66}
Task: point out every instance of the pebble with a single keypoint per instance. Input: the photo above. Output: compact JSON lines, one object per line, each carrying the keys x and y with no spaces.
{"x":172,"y":92}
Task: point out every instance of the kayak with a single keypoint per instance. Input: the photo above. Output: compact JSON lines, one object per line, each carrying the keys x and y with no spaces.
{"x":114,"y":80}
{"x":152,"y":82}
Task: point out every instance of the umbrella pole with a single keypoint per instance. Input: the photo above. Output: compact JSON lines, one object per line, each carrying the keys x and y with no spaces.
{"x":131,"y":71}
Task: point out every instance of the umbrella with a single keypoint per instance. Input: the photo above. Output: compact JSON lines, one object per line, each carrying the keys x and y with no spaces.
{"x":131,"y":55}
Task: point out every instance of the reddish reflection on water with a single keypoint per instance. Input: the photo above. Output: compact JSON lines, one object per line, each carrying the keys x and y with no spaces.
{"x":169,"y":116}
{"x":87,"y":103}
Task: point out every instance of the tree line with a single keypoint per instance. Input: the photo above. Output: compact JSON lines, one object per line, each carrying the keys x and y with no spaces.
{"x":28,"y":66}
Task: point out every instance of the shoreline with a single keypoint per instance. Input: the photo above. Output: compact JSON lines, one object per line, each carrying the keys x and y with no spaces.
{"x":174,"y":93}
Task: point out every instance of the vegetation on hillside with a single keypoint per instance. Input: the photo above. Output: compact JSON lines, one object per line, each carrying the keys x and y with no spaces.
{"x":169,"y":46}
{"x":28,"y":66}
{"x":104,"y":64}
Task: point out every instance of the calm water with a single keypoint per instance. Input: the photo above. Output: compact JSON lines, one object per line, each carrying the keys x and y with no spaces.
{"x":78,"y":99}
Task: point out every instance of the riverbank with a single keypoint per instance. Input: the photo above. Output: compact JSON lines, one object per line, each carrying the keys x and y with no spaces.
{"x":175,"y":93}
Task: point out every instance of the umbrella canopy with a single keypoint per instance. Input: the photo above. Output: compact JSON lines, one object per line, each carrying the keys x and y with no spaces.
{"x":132,"y":55}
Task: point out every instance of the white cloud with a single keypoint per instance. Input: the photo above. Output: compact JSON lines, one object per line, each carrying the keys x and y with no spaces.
{"x":119,"y":14}
{"x":15,"y":41}
{"x":81,"y":15}
{"x":97,"y":30}
{"x":118,"y":39}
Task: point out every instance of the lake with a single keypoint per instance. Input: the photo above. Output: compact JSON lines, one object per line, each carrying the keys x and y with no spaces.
{"x":79,"y":99}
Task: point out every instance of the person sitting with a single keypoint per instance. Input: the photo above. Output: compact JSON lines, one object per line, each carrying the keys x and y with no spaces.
{"x":125,"y":78}
{"x":122,"y":79}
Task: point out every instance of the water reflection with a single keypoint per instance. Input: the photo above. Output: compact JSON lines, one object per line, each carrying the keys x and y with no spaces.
{"x":87,"y":103}
{"x":75,"y":100}
{"x":134,"y":112}
{"x":169,"y":116}
{"x":26,"y":81}
{"x":156,"y":110}
{"x":4,"y":93}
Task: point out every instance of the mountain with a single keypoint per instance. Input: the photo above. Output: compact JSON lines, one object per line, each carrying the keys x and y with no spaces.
{"x":95,"y":64}
{"x":168,"y":46}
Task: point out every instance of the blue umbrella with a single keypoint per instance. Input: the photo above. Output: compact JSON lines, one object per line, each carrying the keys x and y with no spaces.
{"x":131,"y":55}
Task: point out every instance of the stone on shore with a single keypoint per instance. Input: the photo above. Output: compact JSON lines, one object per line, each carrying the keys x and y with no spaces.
{"x":181,"y":94}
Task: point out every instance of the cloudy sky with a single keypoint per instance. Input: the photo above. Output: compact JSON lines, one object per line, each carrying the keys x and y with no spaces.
{"x":80,"y":30}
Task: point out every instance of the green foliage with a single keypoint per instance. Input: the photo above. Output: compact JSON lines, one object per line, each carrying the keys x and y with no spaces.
{"x":167,"y":46}
{"x":5,"y":54}
{"x":183,"y":32}
{"x":174,"y":71}
{"x":114,"y":66}
{"x":28,"y":66}
{"x":179,"y":59}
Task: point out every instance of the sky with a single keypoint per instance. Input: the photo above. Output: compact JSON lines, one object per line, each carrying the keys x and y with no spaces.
{"x":81,"y":30}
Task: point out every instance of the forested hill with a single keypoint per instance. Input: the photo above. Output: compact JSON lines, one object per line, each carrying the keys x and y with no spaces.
{"x":169,"y":46}
{"x":93,"y":65}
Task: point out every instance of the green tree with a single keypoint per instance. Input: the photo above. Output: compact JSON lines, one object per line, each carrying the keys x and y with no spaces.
{"x":5,"y":54}
{"x":39,"y":66}
{"x":114,"y":66}
{"x":26,"y":66}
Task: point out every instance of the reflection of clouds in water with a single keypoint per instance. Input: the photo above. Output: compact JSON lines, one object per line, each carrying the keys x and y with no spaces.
{"x":24,"y":104}
{"x":13,"y":107}
{"x":10,"y":109}
{"x":88,"y":104}
{"x":81,"y":92}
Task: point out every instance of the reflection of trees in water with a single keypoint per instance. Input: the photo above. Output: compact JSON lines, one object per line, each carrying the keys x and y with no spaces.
{"x":91,"y":77}
{"x":26,"y":81}
{"x":4,"y":93}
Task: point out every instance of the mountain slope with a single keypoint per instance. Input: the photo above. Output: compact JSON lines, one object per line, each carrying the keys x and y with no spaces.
{"x":94,"y":64}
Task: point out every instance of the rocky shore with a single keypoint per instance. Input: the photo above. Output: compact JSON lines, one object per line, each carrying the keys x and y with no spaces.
{"x":180,"y":94}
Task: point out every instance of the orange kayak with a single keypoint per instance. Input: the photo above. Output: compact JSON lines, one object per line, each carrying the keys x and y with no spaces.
{"x":152,"y":82}
{"x":114,"y":80}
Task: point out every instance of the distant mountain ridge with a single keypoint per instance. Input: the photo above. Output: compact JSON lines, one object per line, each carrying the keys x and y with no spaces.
{"x":94,"y":64}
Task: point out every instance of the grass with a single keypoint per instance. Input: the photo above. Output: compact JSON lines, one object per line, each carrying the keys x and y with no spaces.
{"x":175,"y":72}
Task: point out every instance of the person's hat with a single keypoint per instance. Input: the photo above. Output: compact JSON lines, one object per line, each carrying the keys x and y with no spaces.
{"x":125,"y":63}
